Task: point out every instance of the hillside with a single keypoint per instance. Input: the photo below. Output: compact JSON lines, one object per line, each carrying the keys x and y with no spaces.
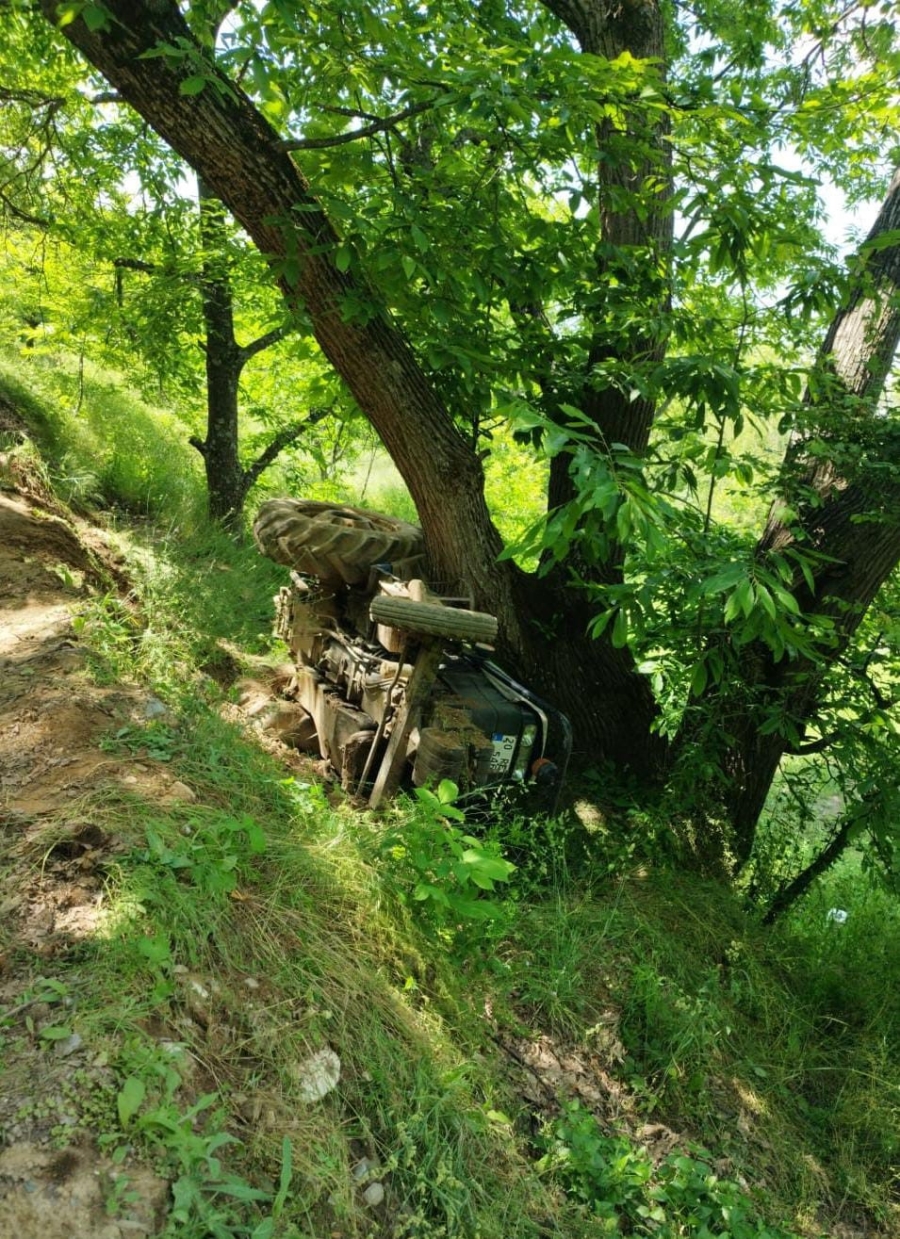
{"x":224,"y":1014}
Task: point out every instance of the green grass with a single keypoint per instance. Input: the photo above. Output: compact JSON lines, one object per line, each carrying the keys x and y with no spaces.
{"x":269,"y":921}
{"x":208,"y":895}
{"x":102,"y":445}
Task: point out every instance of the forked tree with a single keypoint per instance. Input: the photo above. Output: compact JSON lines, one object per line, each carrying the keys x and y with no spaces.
{"x":680,"y":218}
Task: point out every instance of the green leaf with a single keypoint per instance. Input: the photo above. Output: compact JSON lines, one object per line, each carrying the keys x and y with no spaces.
{"x":732,"y":607}
{"x":156,"y":949}
{"x":95,"y":17}
{"x":728,"y":578}
{"x":192,"y":85}
{"x":620,"y":629}
{"x":491,"y":867}
{"x":284,"y":1185}
{"x":427,"y":890}
{"x":342,"y":257}
{"x":67,"y":13}
{"x":787,"y":601}
{"x":447,"y":791}
{"x":56,"y":1032}
{"x":409,"y":266}
{"x":475,"y":909}
{"x":745,"y":596}
{"x":699,"y":679}
{"x":130,"y":1098}
{"x":624,"y":522}
{"x":765,"y":600}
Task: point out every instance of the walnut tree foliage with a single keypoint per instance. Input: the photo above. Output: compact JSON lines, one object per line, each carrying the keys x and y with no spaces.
{"x":599,"y":229}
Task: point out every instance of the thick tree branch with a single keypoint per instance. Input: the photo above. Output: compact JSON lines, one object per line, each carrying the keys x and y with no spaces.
{"x":135,"y":264}
{"x":263,"y":342}
{"x":238,"y":153}
{"x":844,"y":496}
{"x":28,"y":151}
{"x":814,"y":746}
{"x":31,"y":98}
{"x":584,"y":18}
{"x":19,"y":213}
{"x":285,"y":437}
{"x":791,"y":891}
{"x":594,"y":22}
{"x":228,"y":141}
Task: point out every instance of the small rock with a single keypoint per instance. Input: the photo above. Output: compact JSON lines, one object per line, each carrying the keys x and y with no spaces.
{"x":251,"y":982}
{"x":361,"y":1169}
{"x":154,"y":708}
{"x":255,"y":704}
{"x":63,"y":1049}
{"x":318,"y":1075}
{"x":130,"y":778}
{"x":181,"y":791}
{"x":374,"y":1194}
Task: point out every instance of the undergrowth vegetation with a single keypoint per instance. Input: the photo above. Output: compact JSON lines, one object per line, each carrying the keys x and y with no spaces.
{"x":102,"y":445}
{"x":539,"y":1029}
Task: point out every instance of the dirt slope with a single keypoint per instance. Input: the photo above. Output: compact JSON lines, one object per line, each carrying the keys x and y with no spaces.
{"x":53,"y":719}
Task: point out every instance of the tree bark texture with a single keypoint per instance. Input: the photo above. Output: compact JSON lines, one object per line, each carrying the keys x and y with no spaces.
{"x":634,"y":186}
{"x":241,"y":158}
{"x":225,"y":486}
{"x":847,"y":501}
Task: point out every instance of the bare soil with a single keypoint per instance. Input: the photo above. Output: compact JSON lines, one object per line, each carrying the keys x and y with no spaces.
{"x":54,"y":1182}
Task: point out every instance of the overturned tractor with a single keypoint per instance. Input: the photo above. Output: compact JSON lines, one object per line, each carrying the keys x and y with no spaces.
{"x":395,"y":677}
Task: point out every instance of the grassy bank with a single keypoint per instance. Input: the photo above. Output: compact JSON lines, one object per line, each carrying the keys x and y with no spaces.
{"x":597,"y":1046}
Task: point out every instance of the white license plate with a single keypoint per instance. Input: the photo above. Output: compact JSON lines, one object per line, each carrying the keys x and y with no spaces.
{"x":504,"y":749}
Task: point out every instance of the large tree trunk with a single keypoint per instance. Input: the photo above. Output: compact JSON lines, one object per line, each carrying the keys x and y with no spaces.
{"x":847,"y":500}
{"x":634,"y":186}
{"x":238,"y":154}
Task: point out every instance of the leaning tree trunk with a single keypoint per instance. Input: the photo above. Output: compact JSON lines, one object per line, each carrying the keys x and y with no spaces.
{"x":847,"y":502}
{"x":240,"y":156}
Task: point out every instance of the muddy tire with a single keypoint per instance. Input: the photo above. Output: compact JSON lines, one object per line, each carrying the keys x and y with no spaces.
{"x":338,"y":544}
{"x":433,"y":619}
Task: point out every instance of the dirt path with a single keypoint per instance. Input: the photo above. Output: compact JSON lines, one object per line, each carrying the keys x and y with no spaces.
{"x":53,"y":720}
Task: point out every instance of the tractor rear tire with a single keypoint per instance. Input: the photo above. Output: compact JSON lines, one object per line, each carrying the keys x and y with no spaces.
{"x":338,"y":544}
